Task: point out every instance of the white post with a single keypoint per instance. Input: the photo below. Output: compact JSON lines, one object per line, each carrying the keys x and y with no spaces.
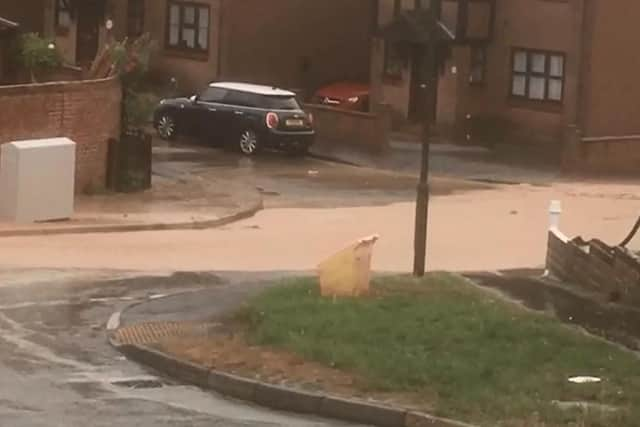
{"x":555,"y":210}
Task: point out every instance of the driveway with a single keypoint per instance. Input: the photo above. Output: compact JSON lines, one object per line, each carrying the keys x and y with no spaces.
{"x":287,"y":181}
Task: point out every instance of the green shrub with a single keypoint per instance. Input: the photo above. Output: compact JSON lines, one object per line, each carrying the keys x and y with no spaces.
{"x":131,"y":61}
{"x":37,"y":54}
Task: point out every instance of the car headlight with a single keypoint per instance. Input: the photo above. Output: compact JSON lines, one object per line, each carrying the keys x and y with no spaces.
{"x":162,"y":101}
{"x":353,"y":99}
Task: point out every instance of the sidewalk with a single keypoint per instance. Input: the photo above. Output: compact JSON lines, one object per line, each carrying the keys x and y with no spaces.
{"x":174,"y":202}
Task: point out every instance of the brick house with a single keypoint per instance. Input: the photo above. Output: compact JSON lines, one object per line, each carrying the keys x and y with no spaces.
{"x":290,"y":43}
{"x":24,"y":16}
{"x":28,"y":13}
{"x":8,"y":30}
{"x":548,"y":73}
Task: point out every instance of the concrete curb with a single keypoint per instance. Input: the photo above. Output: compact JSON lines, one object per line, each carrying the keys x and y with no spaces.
{"x":281,"y":398}
{"x":129,"y":228}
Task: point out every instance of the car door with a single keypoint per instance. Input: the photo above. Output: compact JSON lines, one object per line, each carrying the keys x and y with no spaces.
{"x":240,"y":112}
{"x":207,"y":114}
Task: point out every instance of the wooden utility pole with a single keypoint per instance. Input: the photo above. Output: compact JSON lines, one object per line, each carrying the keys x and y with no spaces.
{"x":431,"y":89}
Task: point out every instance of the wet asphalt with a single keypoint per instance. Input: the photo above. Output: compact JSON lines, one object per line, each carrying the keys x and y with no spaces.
{"x":286,"y":181}
{"x":57,"y":368}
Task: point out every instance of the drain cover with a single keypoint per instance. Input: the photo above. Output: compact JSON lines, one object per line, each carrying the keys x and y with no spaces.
{"x":152,"y":332}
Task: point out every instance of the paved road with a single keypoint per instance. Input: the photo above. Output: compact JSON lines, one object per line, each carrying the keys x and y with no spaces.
{"x":57,"y":369}
{"x":314,"y":208}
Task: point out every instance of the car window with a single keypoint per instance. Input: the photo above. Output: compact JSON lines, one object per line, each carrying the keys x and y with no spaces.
{"x":213,"y":94}
{"x":243,"y":99}
{"x":281,"y":102}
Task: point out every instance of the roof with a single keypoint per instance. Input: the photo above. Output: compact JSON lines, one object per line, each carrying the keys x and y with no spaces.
{"x":252,"y":88}
{"x":6,"y":24}
{"x":413,"y":27}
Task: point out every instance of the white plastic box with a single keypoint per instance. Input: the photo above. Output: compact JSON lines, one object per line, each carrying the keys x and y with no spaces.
{"x":37,"y":180}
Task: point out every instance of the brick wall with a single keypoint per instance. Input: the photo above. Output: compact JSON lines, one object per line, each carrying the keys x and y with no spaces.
{"x":595,"y":266}
{"x":608,"y":155}
{"x":87,"y":112}
{"x":364,"y":130}
{"x":301,"y":44}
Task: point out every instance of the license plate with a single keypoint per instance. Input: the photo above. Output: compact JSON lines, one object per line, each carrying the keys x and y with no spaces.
{"x":295,"y":122}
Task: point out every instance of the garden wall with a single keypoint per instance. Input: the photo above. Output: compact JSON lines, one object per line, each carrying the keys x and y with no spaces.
{"x":87,"y":112}
{"x":595,"y":266}
{"x":351,"y":128}
{"x":605,"y":155}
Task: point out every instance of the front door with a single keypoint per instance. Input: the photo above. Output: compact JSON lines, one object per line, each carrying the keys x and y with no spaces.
{"x":418,"y":95}
{"x":89,"y":18}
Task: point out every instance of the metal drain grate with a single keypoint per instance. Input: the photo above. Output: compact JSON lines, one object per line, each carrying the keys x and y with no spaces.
{"x":153,"y":332}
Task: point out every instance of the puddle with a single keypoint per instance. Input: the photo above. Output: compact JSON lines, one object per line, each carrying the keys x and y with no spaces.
{"x":611,"y":321}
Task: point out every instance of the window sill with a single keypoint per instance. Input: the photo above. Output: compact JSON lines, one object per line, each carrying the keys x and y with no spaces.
{"x":531,"y":104}
{"x":194,"y":55}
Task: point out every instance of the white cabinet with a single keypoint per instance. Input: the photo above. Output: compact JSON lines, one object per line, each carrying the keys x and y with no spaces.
{"x":37,"y":180}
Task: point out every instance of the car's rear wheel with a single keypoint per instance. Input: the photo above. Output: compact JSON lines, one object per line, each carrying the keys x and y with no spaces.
{"x":248,"y":142}
{"x":166,"y":127}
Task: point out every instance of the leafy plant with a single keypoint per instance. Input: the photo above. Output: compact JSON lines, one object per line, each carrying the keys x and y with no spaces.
{"x":131,"y":61}
{"x":138,"y":108}
{"x":37,"y":54}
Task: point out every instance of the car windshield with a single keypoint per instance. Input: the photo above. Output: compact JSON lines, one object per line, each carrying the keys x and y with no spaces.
{"x":281,"y":102}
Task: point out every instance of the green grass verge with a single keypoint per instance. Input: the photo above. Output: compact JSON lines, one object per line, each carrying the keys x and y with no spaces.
{"x":470,"y":354}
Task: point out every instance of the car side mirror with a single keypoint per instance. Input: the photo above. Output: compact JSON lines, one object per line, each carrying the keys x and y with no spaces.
{"x":194,"y":99}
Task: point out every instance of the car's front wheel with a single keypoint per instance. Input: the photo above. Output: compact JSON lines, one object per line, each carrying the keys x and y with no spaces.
{"x":166,"y":127}
{"x":248,"y":142}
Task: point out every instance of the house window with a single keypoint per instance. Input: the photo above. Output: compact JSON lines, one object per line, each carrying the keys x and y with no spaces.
{"x":188,"y":26}
{"x":62,"y":14}
{"x":537,"y":75}
{"x":135,"y":18}
{"x":478,"y":64}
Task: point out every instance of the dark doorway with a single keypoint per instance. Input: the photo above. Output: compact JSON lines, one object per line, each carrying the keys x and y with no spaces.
{"x":418,"y":95}
{"x":89,"y":14}
{"x":135,"y":18}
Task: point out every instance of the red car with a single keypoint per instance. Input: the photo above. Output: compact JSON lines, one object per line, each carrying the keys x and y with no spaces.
{"x":345,"y":95}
